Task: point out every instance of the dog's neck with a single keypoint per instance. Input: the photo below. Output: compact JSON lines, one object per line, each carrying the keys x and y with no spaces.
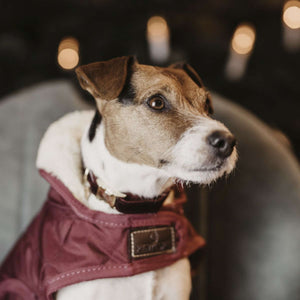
{"x":120,"y":176}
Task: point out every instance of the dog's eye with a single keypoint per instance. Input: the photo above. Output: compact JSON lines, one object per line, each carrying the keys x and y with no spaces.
{"x":156,"y":102}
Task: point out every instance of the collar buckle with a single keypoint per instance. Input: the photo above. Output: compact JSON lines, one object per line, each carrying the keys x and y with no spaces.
{"x":109,"y":198}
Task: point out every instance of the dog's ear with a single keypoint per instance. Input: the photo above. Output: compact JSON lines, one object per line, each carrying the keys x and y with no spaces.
{"x":106,"y":80}
{"x":196,"y":78}
{"x":190,"y":71}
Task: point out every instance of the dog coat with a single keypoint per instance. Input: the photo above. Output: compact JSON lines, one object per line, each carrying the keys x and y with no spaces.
{"x":68,"y":243}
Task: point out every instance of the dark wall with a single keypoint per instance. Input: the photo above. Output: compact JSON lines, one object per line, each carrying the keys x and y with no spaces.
{"x":200,"y":33}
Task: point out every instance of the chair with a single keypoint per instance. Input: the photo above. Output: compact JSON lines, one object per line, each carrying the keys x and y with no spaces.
{"x":251,"y":220}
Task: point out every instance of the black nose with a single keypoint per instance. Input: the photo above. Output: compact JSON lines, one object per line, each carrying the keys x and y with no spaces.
{"x":223,"y":143}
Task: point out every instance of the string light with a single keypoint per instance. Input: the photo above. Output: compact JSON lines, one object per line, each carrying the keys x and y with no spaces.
{"x":68,"y":53}
{"x":243,"y":39}
{"x":291,"y":14}
{"x":158,"y":37}
{"x":242,"y":44}
{"x":157,"y":28}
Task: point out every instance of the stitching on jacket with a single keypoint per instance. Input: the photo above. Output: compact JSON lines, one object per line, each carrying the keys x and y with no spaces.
{"x":136,"y":222}
{"x":70,"y":274}
{"x":139,"y":222}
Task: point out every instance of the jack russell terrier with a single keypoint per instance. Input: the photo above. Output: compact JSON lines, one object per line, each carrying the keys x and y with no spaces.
{"x":113,"y":226}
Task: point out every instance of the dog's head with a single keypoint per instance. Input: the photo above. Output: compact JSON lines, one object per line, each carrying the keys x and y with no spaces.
{"x":160,"y":117}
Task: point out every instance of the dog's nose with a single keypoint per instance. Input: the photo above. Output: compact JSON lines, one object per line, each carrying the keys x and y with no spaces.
{"x":223,"y":142}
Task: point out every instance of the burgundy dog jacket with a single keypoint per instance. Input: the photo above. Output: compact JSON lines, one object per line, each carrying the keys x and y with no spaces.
{"x":68,"y":243}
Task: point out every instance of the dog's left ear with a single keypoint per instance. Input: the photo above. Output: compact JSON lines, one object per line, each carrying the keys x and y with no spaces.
{"x":105,"y":80}
{"x":190,"y":71}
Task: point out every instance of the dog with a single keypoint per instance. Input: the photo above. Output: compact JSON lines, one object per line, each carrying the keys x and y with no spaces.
{"x":152,"y":127}
{"x":155,"y":128}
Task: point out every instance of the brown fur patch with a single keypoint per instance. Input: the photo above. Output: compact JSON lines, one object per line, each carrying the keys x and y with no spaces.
{"x":105,"y":79}
{"x":137,"y":134}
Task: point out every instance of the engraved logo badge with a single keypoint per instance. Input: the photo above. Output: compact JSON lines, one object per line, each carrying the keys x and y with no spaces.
{"x":152,"y":241}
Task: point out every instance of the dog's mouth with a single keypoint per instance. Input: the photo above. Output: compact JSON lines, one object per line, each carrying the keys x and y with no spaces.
{"x":214,"y":168}
{"x":208,"y":169}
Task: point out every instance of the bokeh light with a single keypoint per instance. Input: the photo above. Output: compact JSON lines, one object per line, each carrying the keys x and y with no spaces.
{"x":158,"y":36}
{"x":243,"y":39}
{"x":157,"y":28}
{"x":291,"y":14}
{"x":68,"y":53}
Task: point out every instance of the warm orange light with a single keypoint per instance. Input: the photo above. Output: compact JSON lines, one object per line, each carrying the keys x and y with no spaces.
{"x":157,"y":28}
{"x":158,"y":37}
{"x":291,"y":14}
{"x":68,"y":53}
{"x":243,"y":39}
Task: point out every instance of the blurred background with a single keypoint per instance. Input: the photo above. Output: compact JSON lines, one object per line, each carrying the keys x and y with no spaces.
{"x":248,"y":51}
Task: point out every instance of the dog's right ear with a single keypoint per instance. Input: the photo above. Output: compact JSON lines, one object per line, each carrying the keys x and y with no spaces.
{"x":190,"y":71}
{"x":106,"y":80}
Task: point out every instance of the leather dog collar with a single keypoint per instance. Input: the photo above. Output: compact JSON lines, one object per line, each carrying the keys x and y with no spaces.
{"x":125,"y":203}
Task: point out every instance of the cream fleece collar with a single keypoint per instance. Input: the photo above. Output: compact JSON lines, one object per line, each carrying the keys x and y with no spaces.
{"x":59,"y":152}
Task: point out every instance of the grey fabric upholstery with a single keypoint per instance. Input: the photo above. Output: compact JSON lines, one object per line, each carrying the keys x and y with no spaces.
{"x":24,"y":117}
{"x":251,"y":219}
